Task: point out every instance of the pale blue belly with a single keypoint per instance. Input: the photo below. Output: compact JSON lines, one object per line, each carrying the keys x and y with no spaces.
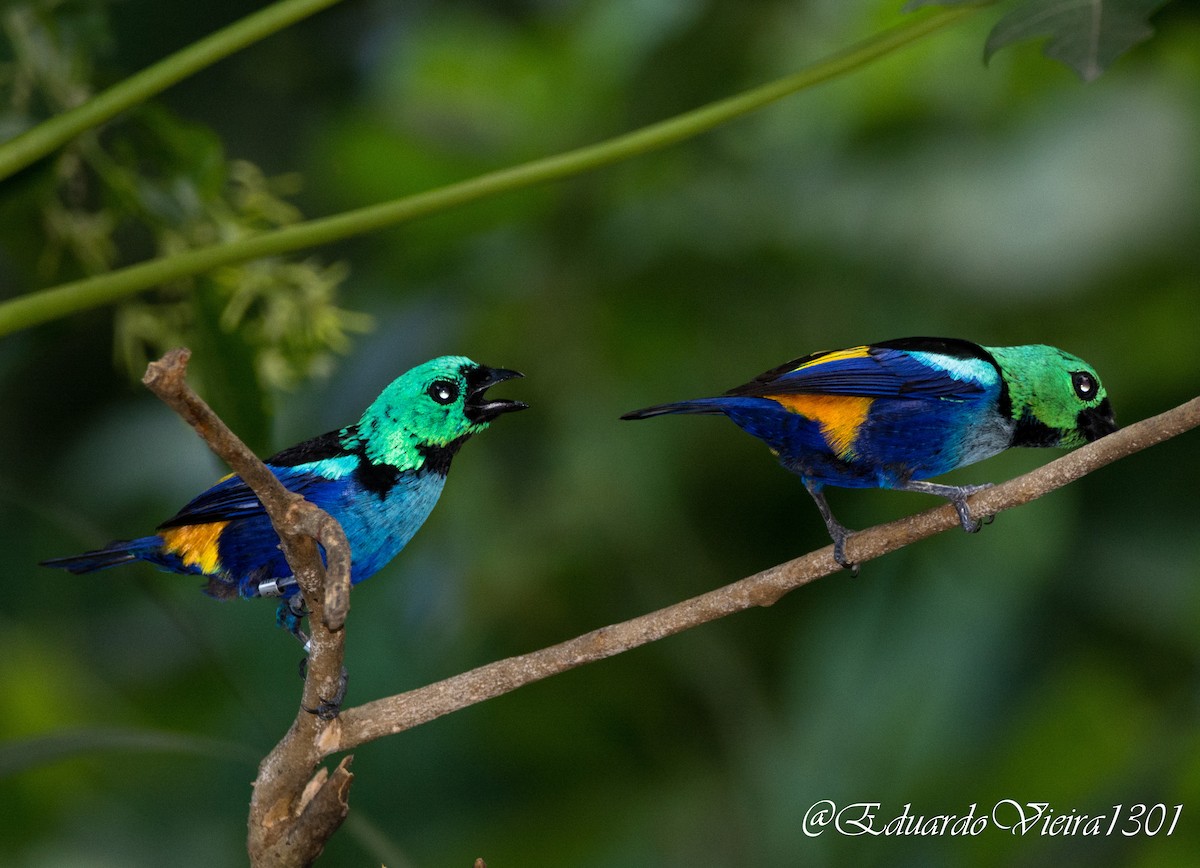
{"x":378,"y":528}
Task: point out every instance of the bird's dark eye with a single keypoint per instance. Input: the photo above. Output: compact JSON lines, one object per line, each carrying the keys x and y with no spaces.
{"x":1085,"y":385}
{"x":443,"y":391}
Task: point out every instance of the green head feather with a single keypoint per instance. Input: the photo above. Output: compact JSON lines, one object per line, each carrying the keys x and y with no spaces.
{"x":435,"y":405}
{"x":1055,"y":398}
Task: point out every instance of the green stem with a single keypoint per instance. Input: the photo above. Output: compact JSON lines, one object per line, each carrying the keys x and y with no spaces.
{"x":47,"y":304}
{"x":19,"y":152}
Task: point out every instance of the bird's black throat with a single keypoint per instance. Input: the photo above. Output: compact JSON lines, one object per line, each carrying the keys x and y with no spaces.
{"x":378,"y":479}
{"x":1032,"y":431}
{"x":437,"y":458}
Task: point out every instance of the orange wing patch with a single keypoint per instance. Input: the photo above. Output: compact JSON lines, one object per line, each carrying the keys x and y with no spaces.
{"x":196,"y":544}
{"x":840,"y":416}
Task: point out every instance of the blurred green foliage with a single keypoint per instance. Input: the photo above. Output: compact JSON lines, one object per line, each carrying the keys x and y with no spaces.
{"x":1054,"y":657}
{"x":156,"y":184}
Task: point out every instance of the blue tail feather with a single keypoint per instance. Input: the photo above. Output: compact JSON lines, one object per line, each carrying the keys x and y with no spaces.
{"x":113,"y":554}
{"x":701,"y":406}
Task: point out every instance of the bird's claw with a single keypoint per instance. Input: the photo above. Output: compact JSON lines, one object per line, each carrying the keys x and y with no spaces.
{"x":328,"y":709}
{"x":839,"y":550}
{"x":957,"y":495}
{"x":968,"y":522}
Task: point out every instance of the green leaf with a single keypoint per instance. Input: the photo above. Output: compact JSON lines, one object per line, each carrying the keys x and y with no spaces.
{"x":1086,"y":35}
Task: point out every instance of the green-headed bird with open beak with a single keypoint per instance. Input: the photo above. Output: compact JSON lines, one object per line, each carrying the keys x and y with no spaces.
{"x":380,"y":478}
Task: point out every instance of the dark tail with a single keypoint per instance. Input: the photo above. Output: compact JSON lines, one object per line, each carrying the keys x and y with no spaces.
{"x":705,"y":406}
{"x":119,"y":552}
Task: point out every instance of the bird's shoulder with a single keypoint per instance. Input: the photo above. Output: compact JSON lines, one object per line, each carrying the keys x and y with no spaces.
{"x":328,"y":447}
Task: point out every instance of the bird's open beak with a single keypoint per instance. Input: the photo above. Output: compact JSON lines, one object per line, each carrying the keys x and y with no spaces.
{"x":477,"y":408}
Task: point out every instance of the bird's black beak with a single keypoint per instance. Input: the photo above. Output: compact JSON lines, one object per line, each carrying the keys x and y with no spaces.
{"x":1097,"y":422}
{"x":477,"y":408}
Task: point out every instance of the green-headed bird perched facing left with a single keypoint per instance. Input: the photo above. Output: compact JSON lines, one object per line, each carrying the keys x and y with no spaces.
{"x":380,"y":478}
{"x":893,"y":414}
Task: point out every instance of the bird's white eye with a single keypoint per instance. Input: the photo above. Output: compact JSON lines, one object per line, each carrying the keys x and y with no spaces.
{"x":442,"y":391}
{"x":1085,"y":385}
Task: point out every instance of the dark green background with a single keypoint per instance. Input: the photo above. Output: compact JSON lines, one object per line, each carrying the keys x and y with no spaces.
{"x":1054,"y":657}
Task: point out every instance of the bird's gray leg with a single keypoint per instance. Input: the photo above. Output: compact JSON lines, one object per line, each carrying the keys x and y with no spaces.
{"x":956,"y":494}
{"x":836,"y":530}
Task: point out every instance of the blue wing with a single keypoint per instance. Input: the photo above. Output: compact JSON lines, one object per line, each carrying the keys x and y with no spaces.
{"x":232,"y":499}
{"x":905,"y":368}
{"x":302,"y":469}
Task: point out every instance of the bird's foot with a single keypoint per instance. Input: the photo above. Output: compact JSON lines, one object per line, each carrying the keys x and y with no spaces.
{"x":957,"y":495}
{"x":836,"y":530}
{"x":839,"y":535}
{"x":328,"y":709}
{"x":969,"y":523}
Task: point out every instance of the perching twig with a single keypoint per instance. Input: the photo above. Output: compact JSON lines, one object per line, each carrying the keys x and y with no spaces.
{"x":292,"y":812}
{"x":292,"y":816}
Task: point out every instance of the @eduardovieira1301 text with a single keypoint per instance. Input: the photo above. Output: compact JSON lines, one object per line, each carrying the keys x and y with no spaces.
{"x":1006,"y":815}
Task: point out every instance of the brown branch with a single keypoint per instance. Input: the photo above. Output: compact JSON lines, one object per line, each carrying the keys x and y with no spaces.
{"x":395,"y":714}
{"x":322,"y":808}
{"x":292,"y":812}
